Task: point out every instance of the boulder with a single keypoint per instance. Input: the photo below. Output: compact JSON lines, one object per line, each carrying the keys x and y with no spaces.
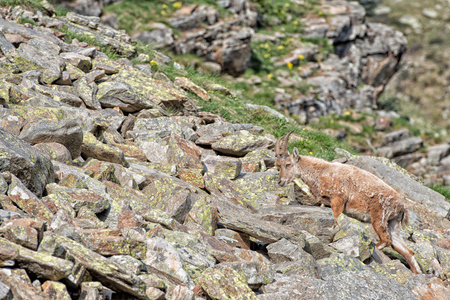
{"x":29,"y":164}
{"x":66,"y":132}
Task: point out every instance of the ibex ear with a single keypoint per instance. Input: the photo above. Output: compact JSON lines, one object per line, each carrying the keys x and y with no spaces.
{"x":295,"y":154}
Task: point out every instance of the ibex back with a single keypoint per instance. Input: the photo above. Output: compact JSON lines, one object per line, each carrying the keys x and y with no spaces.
{"x":352,"y":191}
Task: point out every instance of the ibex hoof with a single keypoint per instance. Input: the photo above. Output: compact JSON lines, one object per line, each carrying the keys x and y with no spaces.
{"x":382,"y":245}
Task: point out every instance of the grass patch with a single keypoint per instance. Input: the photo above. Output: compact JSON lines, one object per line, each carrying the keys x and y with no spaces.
{"x":70,"y":36}
{"x":33,"y":5}
{"x":441,"y":189}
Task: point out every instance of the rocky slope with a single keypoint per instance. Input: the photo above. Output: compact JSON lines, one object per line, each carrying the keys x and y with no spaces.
{"x":313,"y":60}
{"x":114,"y":185}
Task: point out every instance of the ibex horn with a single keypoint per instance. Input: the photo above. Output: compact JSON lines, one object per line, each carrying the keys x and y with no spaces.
{"x":281,"y":145}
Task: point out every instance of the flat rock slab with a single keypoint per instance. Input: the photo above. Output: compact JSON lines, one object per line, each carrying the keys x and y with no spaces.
{"x":43,"y":265}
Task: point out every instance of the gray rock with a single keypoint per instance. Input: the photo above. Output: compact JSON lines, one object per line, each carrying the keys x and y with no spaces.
{"x":437,"y":152}
{"x":363,"y":285}
{"x":119,"y":94}
{"x":165,"y":259}
{"x":66,"y":132}
{"x":3,"y":185}
{"x":107,"y":272}
{"x":88,"y":93}
{"x":44,"y":54}
{"x":161,"y":36}
{"x":241,"y":143}
{"x":26,"y":162}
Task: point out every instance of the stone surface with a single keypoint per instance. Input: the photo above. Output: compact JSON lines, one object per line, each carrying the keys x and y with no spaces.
{"x":19,"y":158}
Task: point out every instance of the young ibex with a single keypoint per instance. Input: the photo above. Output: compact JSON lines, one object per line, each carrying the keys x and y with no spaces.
{"x":350,"y":190}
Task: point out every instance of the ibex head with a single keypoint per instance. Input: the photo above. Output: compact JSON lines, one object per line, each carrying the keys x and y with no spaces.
{"x":285,"y":162}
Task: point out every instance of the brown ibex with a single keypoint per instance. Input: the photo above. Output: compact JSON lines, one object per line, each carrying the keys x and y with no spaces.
{"x":349,"y":190}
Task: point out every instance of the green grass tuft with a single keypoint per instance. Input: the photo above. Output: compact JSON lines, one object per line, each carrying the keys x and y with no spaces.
{"x":441,"y":189}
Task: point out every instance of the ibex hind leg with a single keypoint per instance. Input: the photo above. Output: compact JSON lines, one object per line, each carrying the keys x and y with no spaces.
{"x":399,"y":245}
{"x":381,"y":229}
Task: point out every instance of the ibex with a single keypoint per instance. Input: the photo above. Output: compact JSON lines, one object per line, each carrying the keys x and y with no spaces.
{"x":349,"y":190}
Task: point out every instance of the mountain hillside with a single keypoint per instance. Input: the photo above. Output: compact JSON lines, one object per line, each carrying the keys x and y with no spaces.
{"x":132,"y":170}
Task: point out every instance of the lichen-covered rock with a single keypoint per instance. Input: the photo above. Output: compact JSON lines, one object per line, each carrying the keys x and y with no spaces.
{"x":204,"y":214}
{"x":17,"y":285}
{"x":228,"y":167}
{"x":238,"y":218}
{"x":88,"y":93}
{"x":339,"y":263}
{"x":27,"y":201}
{"x":233,"y":238}
{"x":55,"y":151}
{"x":318,"y":221}
{"x":183,"y":153}
{"x":22,"y":160}
{"x":260,"y":188}
{"x":353,"y":238}
{"x":241,"y":143}
{"x":225,"y":283}
{"x":25,"y":236}
{"x":92,"y":147}
{"x":256,"y":273}
{"x":394,"y":269}
{"x":107,"y":272}
{"x":79,"y":197}
{"x":154,"y":93}
{"x":55,"y":290}
{"x":44,"y":54}
{"x":194,"y":253}
{"x":165,"y":259}
{"x":119,"y":94}
{"x":363,"y":285}
{"x":43,"y":265}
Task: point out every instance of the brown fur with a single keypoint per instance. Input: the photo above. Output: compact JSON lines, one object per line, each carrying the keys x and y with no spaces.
{"x":352,"y":191}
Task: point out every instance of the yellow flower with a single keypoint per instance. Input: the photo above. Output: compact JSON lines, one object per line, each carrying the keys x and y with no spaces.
{"x":299,"y":68}
{"x":281,"y":47}
{"x":286,"y":4}
{"x":301,"y":57}
{"x":289,"y":65}
{"x":154,"y":63}
{"x":295,"y":22}
{"x":320,"y":13}
{"x":347,"y":113}
{"x":163,"y":12}
{"x":177,"y":5}
{"x":164,"y":6}
{"x":267,"y":55}
{"x":319,"y":60}
{"x":266,"y":45}
{"x":310,"y":153}
{"x":270,"y":75}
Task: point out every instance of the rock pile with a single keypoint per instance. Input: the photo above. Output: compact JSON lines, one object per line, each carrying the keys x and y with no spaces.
{"x":104,"y":194}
